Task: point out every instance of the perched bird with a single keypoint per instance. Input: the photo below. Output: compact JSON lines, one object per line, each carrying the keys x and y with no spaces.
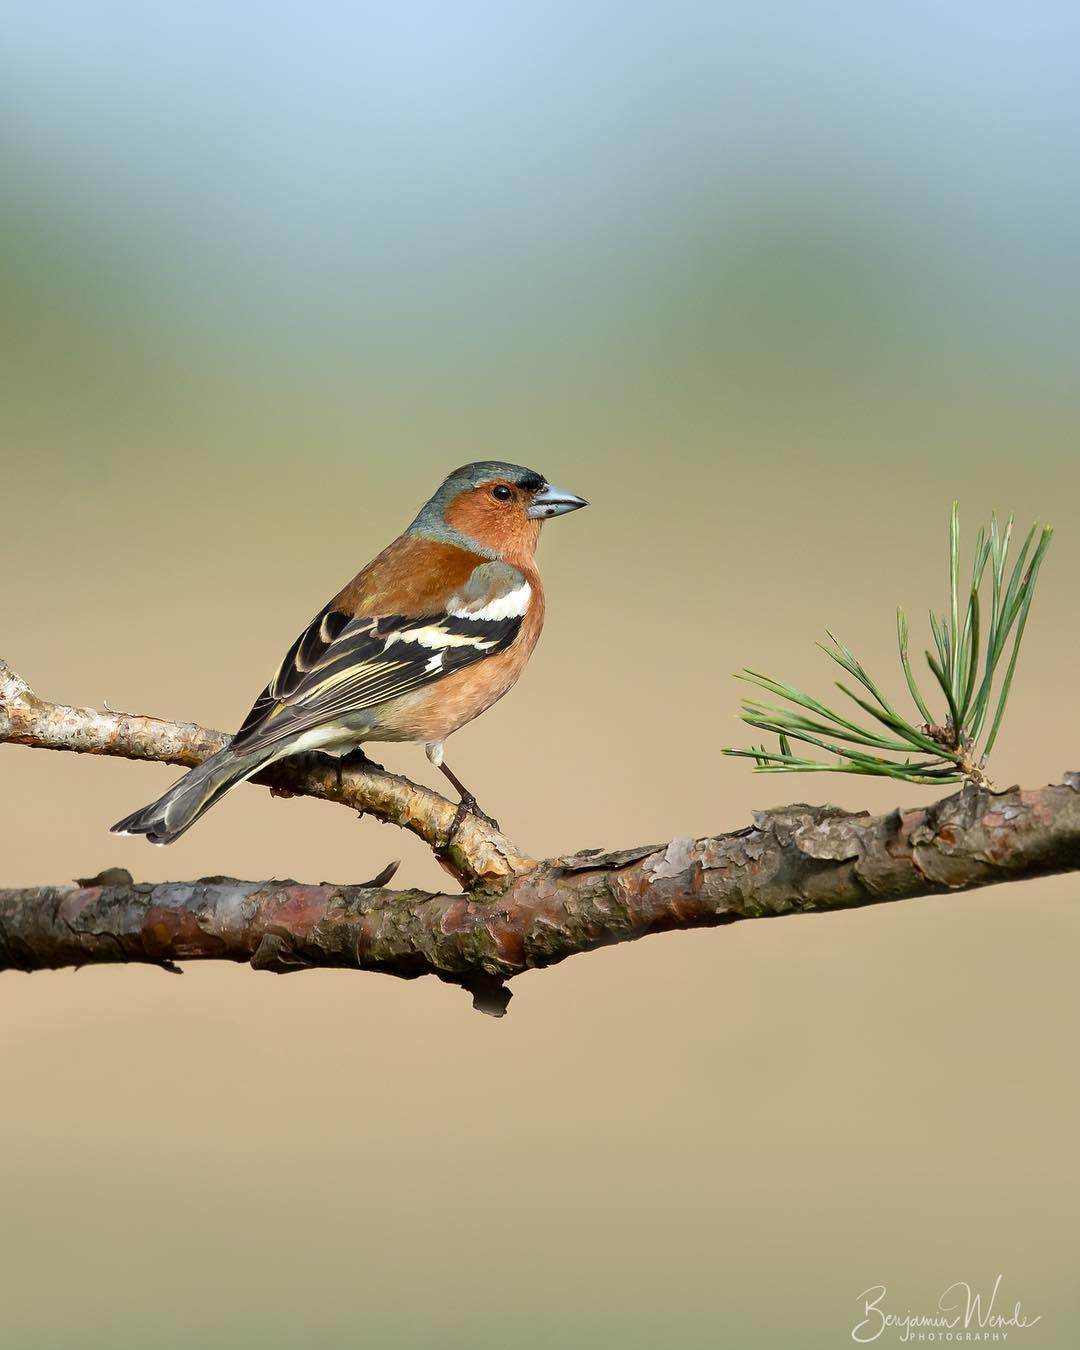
{"x":429,"y":635}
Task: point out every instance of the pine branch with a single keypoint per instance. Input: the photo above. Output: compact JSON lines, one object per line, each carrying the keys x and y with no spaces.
{"x":528,"y":915}
{"x":965,"y":668}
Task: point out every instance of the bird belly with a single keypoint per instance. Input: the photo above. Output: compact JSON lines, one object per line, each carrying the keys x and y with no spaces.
{"x":439,"y":709}
{"x":333,"y":738}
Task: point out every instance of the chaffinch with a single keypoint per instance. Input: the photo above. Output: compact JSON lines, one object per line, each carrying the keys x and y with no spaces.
{"x":426,"y":637}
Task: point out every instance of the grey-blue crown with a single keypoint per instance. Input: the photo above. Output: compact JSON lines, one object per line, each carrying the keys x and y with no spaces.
{"x":431,"y":519}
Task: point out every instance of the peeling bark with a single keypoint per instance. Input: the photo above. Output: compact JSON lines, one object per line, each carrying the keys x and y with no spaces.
{"x":478,"y":856}
{"x":795,"y":860}
{"x":517,"y":914}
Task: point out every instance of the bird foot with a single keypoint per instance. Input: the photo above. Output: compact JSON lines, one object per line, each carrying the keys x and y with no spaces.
{"x":356,"y":759}
{"x":468,"y":806}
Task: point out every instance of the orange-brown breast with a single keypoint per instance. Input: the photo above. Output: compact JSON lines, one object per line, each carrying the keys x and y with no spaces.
{"x":439,"y":709}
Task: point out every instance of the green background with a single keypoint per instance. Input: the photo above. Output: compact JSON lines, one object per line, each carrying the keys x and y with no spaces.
{"x":770,"y":285}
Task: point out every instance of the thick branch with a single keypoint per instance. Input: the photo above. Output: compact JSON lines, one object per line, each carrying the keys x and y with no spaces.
{"x":796,"y":860}
{"x":478,"y":856}
{"x":519,"y":914}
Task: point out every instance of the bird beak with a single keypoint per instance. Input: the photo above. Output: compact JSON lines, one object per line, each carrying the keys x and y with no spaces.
{"x":552,"y":501}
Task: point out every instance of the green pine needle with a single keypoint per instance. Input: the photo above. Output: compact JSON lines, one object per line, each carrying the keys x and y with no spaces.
{"x":968,"y":652}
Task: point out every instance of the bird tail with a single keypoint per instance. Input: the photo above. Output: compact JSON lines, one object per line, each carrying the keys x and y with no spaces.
{"x":179,"y":808}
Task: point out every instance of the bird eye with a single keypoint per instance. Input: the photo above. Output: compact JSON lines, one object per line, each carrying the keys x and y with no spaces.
{"x":501,"y":492}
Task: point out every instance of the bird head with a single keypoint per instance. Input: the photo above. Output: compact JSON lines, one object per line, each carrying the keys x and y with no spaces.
{"x":498,"y":506}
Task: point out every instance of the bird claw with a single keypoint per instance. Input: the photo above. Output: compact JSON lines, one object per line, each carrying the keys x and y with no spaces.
{"x":468,"y":806}
{"x":355,"y":759}
{"x":358,"y":759}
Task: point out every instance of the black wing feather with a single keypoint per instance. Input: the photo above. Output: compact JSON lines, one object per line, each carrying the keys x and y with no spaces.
{"x":340,"y":665}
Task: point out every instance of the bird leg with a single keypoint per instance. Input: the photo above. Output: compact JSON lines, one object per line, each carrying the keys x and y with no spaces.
{"x":467,"y":804}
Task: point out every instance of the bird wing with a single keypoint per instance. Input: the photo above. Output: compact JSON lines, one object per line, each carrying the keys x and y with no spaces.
{"x":342,"y":664}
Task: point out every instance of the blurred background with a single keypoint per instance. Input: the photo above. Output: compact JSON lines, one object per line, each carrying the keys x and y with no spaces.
{"x":770,"y":284}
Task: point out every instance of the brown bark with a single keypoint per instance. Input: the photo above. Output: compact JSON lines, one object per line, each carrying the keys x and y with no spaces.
{"x":478,"y":855}
{"x":517,"y":914}
{"x":796,"y":860}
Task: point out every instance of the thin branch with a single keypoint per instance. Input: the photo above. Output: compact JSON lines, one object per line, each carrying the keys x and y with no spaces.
{"x":795,"y":860}
{"x":478,"y":856}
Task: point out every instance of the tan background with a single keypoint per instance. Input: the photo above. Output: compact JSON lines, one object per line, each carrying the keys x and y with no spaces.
{"x":770,"y":292}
